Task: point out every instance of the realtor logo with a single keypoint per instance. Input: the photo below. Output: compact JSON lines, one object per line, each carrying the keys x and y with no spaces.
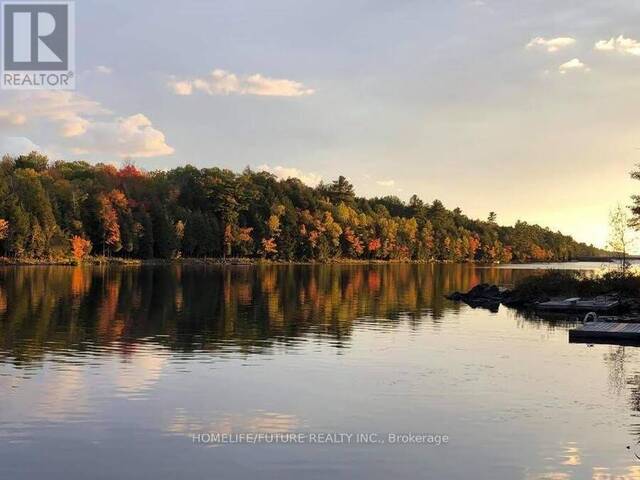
{"x":38,"y":45}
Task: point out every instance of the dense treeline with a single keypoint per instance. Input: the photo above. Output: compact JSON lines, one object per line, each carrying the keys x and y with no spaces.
{"x":55,"y":209}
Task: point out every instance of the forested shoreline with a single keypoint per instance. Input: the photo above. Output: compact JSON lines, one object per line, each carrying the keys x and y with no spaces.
{"x":57,"y":210}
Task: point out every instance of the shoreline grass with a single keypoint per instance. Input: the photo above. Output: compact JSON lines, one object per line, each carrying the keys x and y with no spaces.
{"x":568,"y":283}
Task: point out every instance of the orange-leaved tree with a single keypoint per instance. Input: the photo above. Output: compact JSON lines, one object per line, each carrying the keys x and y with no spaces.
{"x":4,"y":229}
{"x":80,"y":247}
{"x":269,"y":246}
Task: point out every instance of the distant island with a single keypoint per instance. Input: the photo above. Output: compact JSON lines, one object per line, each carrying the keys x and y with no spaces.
{"x":57,"y":210}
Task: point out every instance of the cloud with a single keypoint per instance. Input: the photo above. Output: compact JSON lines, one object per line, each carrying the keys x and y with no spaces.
{"x":15,"y":146}
{"x":626,"y":46}
{"x":386,"y":183}
{"x":309,"y":178}
{"x":221,"y":82}
{"x":573,"y":65}
{"x":182,"y":88}
{"x":83,"y":125}
{"x":67,"y":110}
{"x":551,"y":44}
{"x":12,"y":118}
{"x":103,"y":69}
{"x":132,"y":136}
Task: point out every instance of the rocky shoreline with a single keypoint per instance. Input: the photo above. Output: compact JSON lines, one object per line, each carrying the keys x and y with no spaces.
{"x":492,"y":296}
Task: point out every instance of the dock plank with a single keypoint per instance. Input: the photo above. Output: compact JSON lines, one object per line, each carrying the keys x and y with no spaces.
{"x":594,"y":331}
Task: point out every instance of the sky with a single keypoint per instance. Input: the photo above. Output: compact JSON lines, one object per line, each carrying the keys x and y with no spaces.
{"x":525,"y":108}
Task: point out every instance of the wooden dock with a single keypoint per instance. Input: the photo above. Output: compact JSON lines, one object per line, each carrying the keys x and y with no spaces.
{"x":606,"y":332}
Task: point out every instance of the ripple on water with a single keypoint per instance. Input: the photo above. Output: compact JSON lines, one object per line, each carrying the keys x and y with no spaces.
{"x":137,"y":360}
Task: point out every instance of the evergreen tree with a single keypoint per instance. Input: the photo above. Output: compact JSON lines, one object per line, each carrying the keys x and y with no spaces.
{"x":214,"y":212}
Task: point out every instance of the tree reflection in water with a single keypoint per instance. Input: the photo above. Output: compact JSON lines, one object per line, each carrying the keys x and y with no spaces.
{"x":46,"y":309}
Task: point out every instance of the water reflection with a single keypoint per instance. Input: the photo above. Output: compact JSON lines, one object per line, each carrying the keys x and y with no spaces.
{"x":122,"y":366}
{"x":259,"y":421}
{"x":48,"y":309}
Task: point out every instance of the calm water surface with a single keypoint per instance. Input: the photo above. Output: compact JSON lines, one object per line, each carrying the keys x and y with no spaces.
{"x":110,"y":372}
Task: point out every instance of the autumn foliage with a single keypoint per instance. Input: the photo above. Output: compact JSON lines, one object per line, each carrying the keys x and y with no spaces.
{"x":4,"y":229}
{"x":374,"y":245}
{"x":130,"y":170}
{"x":80,"y":247}
{"x":61,"y":208}
{"x":109,"y":222}
{"x":269,"y":247}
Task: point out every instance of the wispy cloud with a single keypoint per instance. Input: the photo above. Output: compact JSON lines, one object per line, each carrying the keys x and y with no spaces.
{"x":81,"y":124}
{"x":310,"y":178}
{"x":66,"y":110}
{"x":386,"y":183}
{"x":103,"y":69}
{"x":222,"y":82}
{"x":573,"y":65}
{"x":626,"y":46}
{"x":551,"y":44}
{"x":12,"y":118}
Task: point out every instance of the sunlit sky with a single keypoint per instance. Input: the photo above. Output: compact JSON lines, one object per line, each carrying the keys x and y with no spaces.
{"x":528,"y":108}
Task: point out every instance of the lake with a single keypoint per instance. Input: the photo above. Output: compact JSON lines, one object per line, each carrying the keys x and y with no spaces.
{"x":289,"y":372}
